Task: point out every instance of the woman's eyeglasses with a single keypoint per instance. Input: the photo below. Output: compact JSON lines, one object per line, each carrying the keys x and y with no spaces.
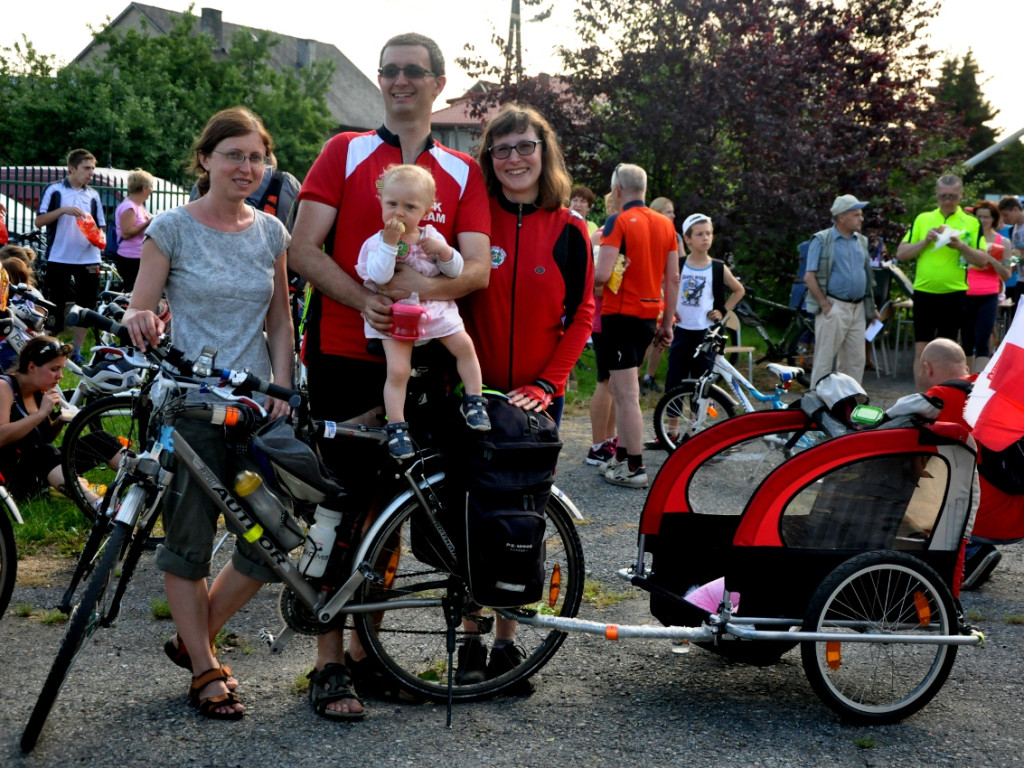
{"x":411,"y":71}
{"x":237,"y":158}
{"x":524,"y":148}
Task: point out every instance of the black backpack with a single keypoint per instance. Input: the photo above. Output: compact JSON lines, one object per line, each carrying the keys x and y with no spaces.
{"x":1004,"y":469}
{"x":499,"y":483}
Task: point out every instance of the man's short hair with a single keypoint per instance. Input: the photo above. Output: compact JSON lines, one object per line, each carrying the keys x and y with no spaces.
{"x":1009,"y":203}
{"x":584,"y":193}
{"x":630,"y":178}
{"x":949,"y":180}
{"x":415,"y":38}
{"x":78,"y":156}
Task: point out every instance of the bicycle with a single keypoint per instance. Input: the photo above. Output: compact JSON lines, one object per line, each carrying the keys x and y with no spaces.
{"x":696,"y":404}
{"x":8,"y":551}
{"x":407,"y":602}
{"x":796,"y":347}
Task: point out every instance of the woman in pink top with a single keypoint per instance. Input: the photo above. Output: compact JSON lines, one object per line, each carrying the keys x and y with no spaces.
{"x":983,"y":286}
{"x":132,"y":219}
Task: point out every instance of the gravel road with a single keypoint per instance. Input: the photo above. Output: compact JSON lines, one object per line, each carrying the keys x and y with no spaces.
{"x":597,"y":703}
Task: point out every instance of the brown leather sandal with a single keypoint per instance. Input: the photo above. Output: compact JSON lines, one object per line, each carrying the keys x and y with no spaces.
{"x":178,"y":653}
{"x":209,"y":705}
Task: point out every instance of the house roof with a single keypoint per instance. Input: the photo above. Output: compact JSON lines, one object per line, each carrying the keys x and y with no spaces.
{"x":354,"y":99}
{"x":458,"y":113}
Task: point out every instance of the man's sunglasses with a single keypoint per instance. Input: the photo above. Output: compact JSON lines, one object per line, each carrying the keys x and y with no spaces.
{"x":411,"y":71}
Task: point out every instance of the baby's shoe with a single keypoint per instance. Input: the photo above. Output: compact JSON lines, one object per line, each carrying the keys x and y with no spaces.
{"x":474,"y":411}
{"x":399,"y":444}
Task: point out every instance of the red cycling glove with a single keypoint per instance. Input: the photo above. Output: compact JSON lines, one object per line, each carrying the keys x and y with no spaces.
{"x":540,"y":392}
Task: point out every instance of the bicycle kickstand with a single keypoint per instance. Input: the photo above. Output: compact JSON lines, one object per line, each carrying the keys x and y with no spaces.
{"x":452,"y":616}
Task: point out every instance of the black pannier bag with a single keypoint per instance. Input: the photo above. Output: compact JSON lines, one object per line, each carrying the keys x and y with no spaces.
{"x":499,"y":482}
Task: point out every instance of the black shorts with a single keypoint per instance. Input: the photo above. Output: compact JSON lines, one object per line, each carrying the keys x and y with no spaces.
{"x":937,"y":315}
{"x":625,"y":342}
{"x":598,"y":341}
{"x":83,"y":293}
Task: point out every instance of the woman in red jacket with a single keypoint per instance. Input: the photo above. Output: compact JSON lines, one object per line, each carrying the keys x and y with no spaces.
{"x":534,"y":318}
{"x":532,"y":321}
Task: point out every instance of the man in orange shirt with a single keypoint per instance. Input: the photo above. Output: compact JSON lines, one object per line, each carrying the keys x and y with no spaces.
{"x":637,"y":265}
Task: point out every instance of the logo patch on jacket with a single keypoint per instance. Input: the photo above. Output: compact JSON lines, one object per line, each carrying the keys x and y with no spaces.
{"x":498,"y":256}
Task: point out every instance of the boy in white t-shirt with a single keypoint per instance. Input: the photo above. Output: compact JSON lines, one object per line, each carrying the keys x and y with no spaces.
{"x":701,"y":301}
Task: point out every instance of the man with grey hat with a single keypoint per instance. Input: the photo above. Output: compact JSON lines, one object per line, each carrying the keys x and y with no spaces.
{"x":840,"y":291}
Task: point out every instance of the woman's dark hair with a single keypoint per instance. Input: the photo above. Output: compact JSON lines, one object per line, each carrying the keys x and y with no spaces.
{"x":555,"y":183}
{"x":40,"y":350}
{"x":991,"y":208}
{"x":226,"y":124}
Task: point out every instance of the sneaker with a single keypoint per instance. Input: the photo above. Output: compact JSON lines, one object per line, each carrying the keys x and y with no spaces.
{"x":77,"y":358}
{"x":978,"y":566}
{"x":655,"y":444}
{"x":474,"y":411}
{"x":505,"y":659}
{"x":399,"y":443}
{"x":610,"y":465}
{"x":472,"y":662}
{"x":600,"y":456}
{"x":622,"y":475}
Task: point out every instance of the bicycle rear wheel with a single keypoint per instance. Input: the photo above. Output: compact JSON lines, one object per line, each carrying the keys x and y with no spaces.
{"x":90,"y":437}
{"x":677,"y":413}
{"x":410,"y":643}
{"x":8,"y":557}
{"x":85,"y":618}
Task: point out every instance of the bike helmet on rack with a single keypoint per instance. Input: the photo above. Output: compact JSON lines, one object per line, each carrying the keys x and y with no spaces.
{"x":33,"y":317}
{"x":293,"y":465}
{"x":109,"y":371}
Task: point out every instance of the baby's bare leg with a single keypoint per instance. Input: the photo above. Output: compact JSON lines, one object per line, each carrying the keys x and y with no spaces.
{"x":399,"y":357}
{"x":461,"y":347}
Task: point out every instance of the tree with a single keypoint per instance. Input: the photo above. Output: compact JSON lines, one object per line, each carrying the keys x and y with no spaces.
{"x":147,"y":97}
{"x":959,"y":90}
{"x":757,"y":112}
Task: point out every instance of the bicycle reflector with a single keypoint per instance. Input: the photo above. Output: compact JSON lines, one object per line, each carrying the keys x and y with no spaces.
{"x":555,"y":585}
{"x":924,"y":611}
{"x":712,"y":411}
{"x":833,"y":654}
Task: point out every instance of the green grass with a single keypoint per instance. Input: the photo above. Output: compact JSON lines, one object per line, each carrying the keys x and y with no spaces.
{"x":599,"y":596}
{"x":159,"y":609}
{"x":51,"y":524}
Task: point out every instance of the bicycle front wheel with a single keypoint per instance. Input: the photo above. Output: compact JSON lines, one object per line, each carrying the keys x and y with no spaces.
{"x":879,"y":593}
{"x":85,"y":618}
{"x":410,"y":641}
{"x":8,"y":558}
{"x":92,"y":437}
{"x":677,"y":414}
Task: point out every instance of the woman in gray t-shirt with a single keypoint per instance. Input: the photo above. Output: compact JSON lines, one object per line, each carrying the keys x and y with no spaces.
{"x":222,"y":266}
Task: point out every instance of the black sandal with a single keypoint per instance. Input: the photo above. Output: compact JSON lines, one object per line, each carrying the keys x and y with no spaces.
{"x":371,"y":681}
{"x":332,"y":683}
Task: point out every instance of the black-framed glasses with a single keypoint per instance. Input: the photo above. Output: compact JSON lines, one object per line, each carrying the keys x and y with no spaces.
{"x":411,"y":72}
{"x":237,"y":158}
{"x":950,"y":196}
{"x":524,"y":148}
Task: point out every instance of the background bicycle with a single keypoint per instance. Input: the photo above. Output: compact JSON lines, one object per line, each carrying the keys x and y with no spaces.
{"x":696,"y":404}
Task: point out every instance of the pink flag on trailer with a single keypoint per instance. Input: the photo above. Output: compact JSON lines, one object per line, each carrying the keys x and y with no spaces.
{"x":996,"y":406}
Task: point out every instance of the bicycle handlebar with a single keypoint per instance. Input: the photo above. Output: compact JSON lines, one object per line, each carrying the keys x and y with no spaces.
{"x":24,"y":290}
{"x":87,"y":318}
{"x":247,"y":381}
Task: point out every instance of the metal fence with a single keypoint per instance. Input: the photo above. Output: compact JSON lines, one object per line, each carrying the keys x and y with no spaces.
{"x":21,"y":188}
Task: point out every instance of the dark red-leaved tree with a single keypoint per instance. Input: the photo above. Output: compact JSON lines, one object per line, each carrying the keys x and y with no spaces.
{"x":756,"y":112}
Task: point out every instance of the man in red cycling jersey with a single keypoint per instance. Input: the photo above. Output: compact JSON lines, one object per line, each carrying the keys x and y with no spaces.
{"x":339,"y":208}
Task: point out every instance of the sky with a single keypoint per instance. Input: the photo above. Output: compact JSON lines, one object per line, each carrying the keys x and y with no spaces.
{"x":63,"y":30}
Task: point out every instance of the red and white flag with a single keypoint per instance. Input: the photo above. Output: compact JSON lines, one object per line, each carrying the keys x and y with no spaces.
{"x":996,"y":406}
